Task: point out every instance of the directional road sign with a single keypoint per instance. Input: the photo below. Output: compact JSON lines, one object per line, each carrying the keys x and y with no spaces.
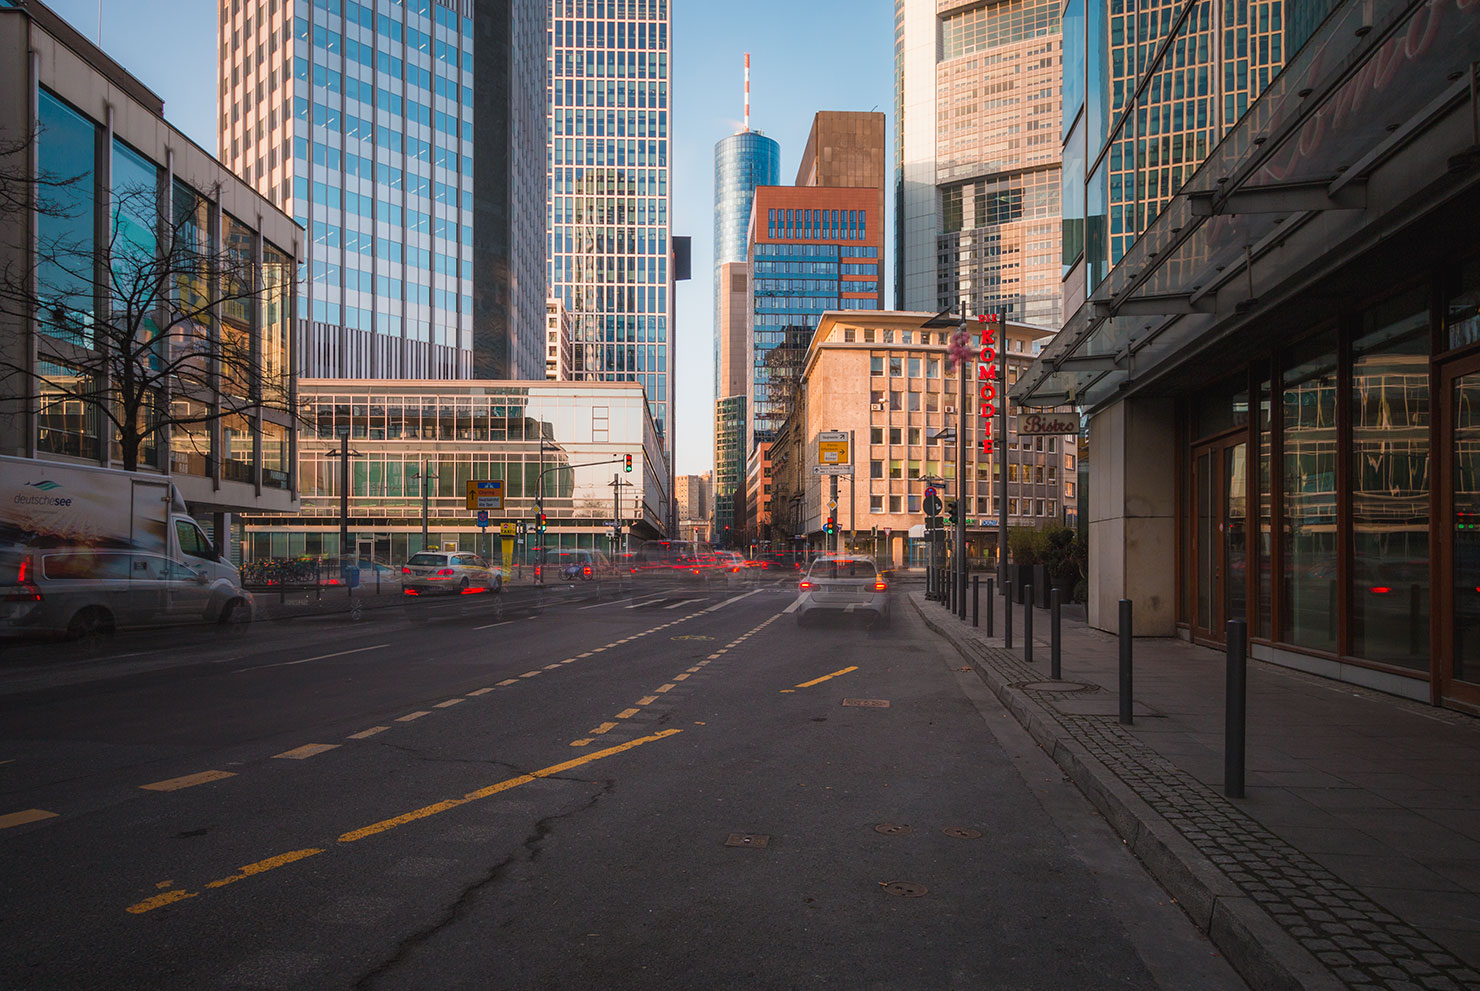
{"x":486,"y":493}
{"x":932,"y":503}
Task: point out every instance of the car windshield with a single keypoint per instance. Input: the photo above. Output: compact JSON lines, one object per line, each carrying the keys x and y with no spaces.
{"x":843,"y":568}
{"x":427,"y":560}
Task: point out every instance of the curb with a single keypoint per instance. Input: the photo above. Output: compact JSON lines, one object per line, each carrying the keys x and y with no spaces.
{"x":1263,"y":953}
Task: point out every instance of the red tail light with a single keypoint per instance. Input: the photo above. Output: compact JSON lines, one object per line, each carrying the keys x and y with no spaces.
{"x":445,"y":571}
{"x":881,"y":587}
{"x":412,"y":591}
{"x":804,"y":586}
{"x":1379,"y":589}
{"x":405,"y":570}
{"x":586,"y":570}
{"x":470,"y":591}
{"x":25,"y":570}
{"x":332,"y":581}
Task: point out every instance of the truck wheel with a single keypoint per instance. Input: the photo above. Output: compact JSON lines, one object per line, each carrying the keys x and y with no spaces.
{"x":236,"y":613}
{"x":91,"y":624}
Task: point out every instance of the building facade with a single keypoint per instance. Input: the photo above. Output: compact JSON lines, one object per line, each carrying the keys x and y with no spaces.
{"x":1280,"y":365}
{"x":886,"y":380}
{"x":845,"y":148}
{"x":731,"y":443}
{"x":124,"y":201}
{"x":559,"y":354}
{"x":977,"y":103}
{"x":425,"y":231}
{"x":610,"y":145}
{"x":812,"y":249}
{"x":694,"y":497}
{"x":417,"y":443}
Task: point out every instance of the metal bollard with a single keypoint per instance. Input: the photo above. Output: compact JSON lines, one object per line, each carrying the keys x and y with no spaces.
{"x":976,"y":588}
{"x":961,"y":599}
{"x":1126,"y":716}
{"x":1007,"y":617}
{"x":1055,"y":669}
{"x":1028,"y":627}
{"x":1234,"y":706}
{"x":991,"y":591}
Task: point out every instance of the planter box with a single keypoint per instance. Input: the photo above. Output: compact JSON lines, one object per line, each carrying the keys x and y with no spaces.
{"x":1020,"y":575}
{"x":1040,"y":585}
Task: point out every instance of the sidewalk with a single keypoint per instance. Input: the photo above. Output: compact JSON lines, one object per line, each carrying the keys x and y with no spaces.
{"x":1353,"y":861}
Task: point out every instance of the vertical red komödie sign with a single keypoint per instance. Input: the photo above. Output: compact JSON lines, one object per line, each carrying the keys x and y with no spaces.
{"x":986,"y":377}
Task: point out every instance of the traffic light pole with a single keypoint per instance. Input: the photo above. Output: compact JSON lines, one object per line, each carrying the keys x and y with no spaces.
{"x":833,"y":513}
{"x":960,"y":570}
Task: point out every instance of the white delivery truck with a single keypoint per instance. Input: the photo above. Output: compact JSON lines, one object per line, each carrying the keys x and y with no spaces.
{"x":85,"y":551}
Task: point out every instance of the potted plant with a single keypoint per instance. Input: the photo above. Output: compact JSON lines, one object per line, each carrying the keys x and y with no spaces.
{"x":1065,"y":560}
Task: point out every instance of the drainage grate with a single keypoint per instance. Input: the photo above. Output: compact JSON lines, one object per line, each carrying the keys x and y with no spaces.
{"x":905,"y":889}
{"x":868,"y":703}
{"x":962,"y":833}
{"x":892,"y":829}
{"x":748,"y":839}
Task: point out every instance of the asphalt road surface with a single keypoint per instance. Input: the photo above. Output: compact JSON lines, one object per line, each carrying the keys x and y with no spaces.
{"x":668,"y":786}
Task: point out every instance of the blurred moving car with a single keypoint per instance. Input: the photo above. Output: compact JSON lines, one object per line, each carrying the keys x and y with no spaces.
{"x":779,"y":562}
{"x":730,"y":562}
{"x":576,"y":565}
{"x":456,"y":572}
{"x":844,"y":583}
{"x":666,"y":559}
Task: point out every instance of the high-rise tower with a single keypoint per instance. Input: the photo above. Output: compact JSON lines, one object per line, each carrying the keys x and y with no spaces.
{"x":977,"y":94}
{"x":610,"y":145}
{"x":424,"y":244}
{"x":742,"y":161}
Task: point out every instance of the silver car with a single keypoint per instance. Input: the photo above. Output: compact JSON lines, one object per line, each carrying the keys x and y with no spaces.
{"x":454,"y":572}
{"x":844,"y":583}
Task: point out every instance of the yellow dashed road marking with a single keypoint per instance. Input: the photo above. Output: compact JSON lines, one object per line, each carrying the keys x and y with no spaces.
{"x":480,"y":691}
{"x":449,"y":703}
{"x":664,"y":689}
{"x":412,"y":715}
{"x":362,"y":734}
{"x":509,"y":681}
{"x":529,"y":674}
{"x":818,"y":681}
{"x":159,"y":901}
{"x":263,"y":866}
{"x":627,"y":713}
{"x":647,"y":700}
{"x":22,"y":818}
{"x":680,"y":677}
{"x":188,"y":781}
{"x":552,"y":667}
{"x":305,"y":751}
{"x":580,"y":743}
{"x":603,"y":728}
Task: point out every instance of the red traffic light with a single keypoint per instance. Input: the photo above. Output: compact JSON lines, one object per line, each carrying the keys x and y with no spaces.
{"x":628,"y":465}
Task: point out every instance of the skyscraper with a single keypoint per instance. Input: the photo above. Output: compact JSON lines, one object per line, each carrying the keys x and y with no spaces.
{"x":977,"y":157}
{"x":423,"y":248}
{"x":742,"y":161}
{"x":610,"y":144}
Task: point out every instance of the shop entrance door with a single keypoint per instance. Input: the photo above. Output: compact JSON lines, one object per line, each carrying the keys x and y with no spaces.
{"x":1220,"y":542}
{"x":1459,"y":550}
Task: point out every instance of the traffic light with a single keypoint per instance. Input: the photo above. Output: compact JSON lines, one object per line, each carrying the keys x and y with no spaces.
{"x":830,"y":527}
{"x":628,"y":465}
{"x":951,"y":512}
{"x":540,"y":524}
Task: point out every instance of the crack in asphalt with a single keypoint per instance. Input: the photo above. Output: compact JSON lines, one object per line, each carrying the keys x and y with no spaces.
{"x":422,"y":755}
{"x":461,"y":903}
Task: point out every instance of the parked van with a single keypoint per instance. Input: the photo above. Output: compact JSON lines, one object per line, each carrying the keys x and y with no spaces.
{"x":85,"y":551}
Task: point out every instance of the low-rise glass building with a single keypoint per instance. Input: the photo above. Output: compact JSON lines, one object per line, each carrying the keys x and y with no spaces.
{"x":415,"y":443}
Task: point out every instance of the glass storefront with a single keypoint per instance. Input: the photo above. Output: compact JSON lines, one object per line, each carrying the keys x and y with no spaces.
{"x":1308,"y":527}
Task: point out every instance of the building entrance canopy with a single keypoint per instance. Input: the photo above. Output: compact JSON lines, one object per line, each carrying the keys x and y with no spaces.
{"x":1376,"y":77}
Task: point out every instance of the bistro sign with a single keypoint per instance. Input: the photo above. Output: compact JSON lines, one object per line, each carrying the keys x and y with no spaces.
{"x":1031,"y":424}
{"x":986,"y":376}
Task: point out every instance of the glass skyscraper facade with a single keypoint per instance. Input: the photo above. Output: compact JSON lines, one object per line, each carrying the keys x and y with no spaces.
{"x":610,"y":144}
{"x":359,"y":122}
{"x":813,"y":249}
{"x":977,"y":99}
{"x":742,"y":161}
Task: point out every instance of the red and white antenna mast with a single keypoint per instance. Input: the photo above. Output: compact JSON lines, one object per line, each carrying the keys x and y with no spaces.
{"x":747,"y":91}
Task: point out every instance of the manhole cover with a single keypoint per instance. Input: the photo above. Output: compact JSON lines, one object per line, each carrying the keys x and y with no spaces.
{"x":748,"y":839}
{"x":868,"y":703}
{"x":905,"y":889}
{"x":1054,"y":686}
{"x":892,"y":829}
{"x":962,"y":833}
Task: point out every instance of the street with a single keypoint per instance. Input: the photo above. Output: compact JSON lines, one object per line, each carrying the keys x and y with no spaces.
{"x":610,"y":787}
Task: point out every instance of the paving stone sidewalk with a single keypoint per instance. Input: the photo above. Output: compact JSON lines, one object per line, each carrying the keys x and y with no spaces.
{"x":1354,"y":859}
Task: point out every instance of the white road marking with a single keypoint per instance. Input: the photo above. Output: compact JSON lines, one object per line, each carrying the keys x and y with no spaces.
{"x":720,"y":605}
{"x":492,"y":625}
{"x":793,"y":606}
{"x":682,"y":602}
{"x":645,"y":602}
{"x":305,"y":660}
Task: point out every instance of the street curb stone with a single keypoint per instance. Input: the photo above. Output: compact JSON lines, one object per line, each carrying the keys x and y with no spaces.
{"x":1262,"y":951}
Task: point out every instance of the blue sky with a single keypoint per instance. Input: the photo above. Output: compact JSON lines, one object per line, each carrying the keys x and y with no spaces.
{"x":806,"y":55}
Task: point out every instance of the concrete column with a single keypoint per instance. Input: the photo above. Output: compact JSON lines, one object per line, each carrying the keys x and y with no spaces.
{"x":1132,"y":516}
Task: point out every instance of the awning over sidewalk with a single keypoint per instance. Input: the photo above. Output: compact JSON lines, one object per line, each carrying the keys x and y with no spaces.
{"x":1378,"y":77}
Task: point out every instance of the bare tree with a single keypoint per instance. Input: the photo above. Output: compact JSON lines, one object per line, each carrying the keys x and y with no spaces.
{"x":154,"y":328}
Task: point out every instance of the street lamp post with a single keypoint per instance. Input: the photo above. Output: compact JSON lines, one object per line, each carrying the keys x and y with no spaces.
{"x":422,"y":477}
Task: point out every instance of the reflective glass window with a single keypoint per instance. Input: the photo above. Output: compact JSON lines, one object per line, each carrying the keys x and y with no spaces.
{"x":1308,"y":527}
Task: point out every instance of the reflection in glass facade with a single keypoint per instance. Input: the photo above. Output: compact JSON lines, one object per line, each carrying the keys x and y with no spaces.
{"x":360,"y":123}
{"x":610,"y":145}
{"x":731,"y":444}
{"x":742,"y":162}
{"x":991,"y":235}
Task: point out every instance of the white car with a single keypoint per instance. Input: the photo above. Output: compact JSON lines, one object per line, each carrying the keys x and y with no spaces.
{"x":457,"y":572}
{"x":844,"y":583}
